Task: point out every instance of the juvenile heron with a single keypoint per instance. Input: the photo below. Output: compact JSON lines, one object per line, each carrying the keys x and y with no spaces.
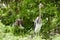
{"x":38,"y":20}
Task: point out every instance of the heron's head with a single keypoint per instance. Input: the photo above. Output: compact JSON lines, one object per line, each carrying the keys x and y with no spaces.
{"x":41,"y":5}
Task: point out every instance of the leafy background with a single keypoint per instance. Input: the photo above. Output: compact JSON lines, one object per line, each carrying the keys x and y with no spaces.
{"x":28,"y":10}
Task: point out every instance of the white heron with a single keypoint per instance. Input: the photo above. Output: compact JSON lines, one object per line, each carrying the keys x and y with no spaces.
{"x":38,"y":20}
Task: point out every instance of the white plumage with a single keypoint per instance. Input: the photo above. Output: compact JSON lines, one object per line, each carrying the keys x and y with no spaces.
{"x":38,"y":24}
{"x":38,"y":20}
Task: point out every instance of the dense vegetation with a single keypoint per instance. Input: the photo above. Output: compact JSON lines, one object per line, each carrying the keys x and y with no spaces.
{"x":28,"y":10}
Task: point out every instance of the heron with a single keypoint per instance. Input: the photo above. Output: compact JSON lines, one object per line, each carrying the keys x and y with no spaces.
{"x":38,"y":20}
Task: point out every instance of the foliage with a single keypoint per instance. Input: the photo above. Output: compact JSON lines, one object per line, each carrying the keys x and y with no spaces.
{"x":28,"y":10}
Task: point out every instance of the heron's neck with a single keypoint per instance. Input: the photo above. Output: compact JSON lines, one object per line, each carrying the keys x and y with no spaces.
{"x":39,"y":12}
